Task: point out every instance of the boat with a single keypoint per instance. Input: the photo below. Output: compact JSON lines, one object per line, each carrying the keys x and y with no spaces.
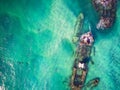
{"x":107,"y":12}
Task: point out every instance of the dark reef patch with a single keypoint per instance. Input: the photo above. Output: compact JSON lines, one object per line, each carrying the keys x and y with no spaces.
{"x":45,"y":36}
{"x":9,"y":23}
{"x":74,"y":8}
{"x":67,"y":46}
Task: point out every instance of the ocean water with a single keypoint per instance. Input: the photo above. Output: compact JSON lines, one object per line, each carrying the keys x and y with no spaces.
{"x":36,"y":48}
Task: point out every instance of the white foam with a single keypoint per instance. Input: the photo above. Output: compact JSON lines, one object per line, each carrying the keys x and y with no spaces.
{"x":2,"y":88}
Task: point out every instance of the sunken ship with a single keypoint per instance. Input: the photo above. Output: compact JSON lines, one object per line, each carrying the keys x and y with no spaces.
{"x":80,"y":67}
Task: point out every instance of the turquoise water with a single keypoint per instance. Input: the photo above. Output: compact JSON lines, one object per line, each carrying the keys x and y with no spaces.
{"x":36,"y":49}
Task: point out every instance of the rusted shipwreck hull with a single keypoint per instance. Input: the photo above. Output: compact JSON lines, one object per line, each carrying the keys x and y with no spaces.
{"x":80,"y":67}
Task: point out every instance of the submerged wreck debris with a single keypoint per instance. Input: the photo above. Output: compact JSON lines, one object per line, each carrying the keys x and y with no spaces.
{"x":107,"y":11}
{"x":92,"y":83}
{"x":78,"y":27}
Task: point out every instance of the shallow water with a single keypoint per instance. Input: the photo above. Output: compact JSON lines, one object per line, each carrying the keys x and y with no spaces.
{"x":36,"y":46}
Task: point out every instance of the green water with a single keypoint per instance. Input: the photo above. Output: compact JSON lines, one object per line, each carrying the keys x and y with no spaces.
{"x":36,"y":49}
